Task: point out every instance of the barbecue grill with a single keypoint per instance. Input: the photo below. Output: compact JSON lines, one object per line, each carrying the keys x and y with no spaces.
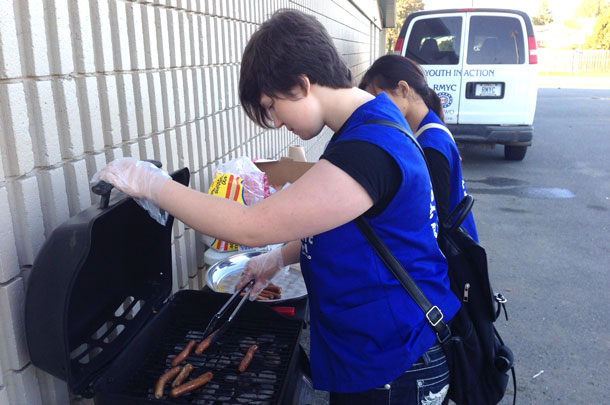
{"x":99,"y":316}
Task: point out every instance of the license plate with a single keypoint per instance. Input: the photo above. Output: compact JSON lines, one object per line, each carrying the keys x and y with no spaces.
{"x":488,"y":90}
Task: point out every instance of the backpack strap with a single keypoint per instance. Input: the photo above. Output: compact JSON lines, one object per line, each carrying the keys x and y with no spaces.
{"x":433,"y":313}
{"x":434,"y":125}
{"x":395,"y":125}
{"x":437,"y":126}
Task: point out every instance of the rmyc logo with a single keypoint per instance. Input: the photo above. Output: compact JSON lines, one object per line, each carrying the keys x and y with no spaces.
{"x":446,"y":99}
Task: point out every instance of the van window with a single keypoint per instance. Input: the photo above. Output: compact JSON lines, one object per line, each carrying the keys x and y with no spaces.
{"x":495,"y":40}
{"x":435,"y":41}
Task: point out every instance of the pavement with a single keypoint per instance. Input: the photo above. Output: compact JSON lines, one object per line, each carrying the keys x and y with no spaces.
{"x":599,"y":81}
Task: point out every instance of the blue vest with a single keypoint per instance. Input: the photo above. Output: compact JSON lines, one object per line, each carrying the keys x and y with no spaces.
{"x":441,"y":141}
{"x":365,"y":329}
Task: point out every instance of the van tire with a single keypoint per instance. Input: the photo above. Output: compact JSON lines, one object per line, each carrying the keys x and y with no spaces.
{"x":512,"y":152}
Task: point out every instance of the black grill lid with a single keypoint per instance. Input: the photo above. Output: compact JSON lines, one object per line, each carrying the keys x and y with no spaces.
{"x":94,"y":284}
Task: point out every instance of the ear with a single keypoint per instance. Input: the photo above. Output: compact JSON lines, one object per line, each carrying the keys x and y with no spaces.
{"x":306,"y":85}
{"x":404,"y":88}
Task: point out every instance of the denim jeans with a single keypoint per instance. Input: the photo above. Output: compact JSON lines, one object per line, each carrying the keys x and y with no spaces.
{"x":425,"y":383}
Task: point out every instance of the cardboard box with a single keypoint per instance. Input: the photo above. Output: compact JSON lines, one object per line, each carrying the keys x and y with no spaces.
{"x":280,"y":172}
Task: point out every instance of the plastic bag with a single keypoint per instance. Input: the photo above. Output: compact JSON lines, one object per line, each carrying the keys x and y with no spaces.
{"x":155,"y":212}
{"x":241,"y":181}
{"x":153,"y":209}
{"x":254,"y":182}
{"x":231,"y":187}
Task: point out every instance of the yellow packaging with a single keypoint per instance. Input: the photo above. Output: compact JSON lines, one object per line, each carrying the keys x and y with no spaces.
{"x":231,"y":187}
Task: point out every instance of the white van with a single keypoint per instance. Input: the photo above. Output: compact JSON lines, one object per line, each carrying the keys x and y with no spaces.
{"x":482,"y":64}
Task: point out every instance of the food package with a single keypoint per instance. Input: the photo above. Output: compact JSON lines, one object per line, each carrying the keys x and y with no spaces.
{"x":241,"y":181}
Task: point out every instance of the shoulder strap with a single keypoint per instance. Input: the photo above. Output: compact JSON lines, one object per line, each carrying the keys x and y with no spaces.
{"x":399,"y":127}
{"x":434,"y":125}
{"x":433,"y":313}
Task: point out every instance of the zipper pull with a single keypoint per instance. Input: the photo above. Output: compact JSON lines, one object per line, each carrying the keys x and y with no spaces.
{"x":466,"y":288}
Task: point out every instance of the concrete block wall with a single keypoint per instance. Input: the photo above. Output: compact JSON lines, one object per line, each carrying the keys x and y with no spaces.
{"x":86,"y":82}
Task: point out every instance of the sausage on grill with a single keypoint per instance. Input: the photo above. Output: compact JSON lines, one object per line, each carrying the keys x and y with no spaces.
{"x":163,"y":380}
{"x":191,"y":385}
{"x":184,"y":353}
{"x":245,"y":362}
{"x":184,"y":372}
{"x":205,"y":343}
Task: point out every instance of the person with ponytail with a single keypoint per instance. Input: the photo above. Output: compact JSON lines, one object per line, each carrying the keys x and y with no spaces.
{"x":404,"y":82}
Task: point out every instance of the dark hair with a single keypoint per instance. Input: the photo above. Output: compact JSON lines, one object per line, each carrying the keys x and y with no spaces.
{"x":388,"y":70}
{"x":288,"y":45}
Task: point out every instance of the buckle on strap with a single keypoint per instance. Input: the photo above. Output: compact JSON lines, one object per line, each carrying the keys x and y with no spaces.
{"x":445,"y":336}
{"x":500,"y":298}
{"x":434,"y":316}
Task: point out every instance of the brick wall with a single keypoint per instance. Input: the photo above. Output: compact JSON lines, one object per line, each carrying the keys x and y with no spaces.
{"x":85,"y":82}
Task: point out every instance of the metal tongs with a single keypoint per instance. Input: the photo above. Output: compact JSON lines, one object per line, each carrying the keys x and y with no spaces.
{"x":210,"y":328}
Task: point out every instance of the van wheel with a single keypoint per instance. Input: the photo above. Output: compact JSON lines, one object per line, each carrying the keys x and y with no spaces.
{"x":512,"y":152}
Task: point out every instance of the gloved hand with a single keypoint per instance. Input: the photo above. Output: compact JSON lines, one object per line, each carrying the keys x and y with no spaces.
{"x":137,"y":178}
{"x":261,"y":268}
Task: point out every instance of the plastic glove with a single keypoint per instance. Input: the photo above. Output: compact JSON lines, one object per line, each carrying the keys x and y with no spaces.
{"x":137,"y":178}
{"x":261,"y":268}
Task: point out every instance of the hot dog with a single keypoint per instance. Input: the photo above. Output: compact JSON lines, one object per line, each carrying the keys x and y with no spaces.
{"x":271,"y":292}
{"x":205,"y":343}
{"x":184,"y":372}
{"x":245,"y":362}
{"x":184,"y":353}
{"x":262,"y":296}
{"x":267,"y":294}
{"x":163,"y":380}
{"x":191,"y":385}
{"x":274,"y":288}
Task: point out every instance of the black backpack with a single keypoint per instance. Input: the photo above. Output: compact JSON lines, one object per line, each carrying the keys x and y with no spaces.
{"x":478,"y":358}
{"x":475,"y":338}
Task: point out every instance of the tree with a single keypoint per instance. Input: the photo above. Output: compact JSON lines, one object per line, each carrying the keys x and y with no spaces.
{"x":545,"y":16}
{"x":403,"y":9}
{"x":601,"y":32}
{"x":591,"y":8}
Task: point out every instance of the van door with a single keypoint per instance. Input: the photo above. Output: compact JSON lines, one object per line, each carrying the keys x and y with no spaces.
{"x":435,"y":42}
{"x":496,"y":75}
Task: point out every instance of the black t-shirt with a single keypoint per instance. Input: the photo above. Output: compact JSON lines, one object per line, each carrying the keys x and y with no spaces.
{"x":440,"y":173}
{"x":358,"y":158}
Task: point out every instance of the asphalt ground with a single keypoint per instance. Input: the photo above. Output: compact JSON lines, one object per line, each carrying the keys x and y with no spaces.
{"x":545,"y":222}
{"x":601,"y":81}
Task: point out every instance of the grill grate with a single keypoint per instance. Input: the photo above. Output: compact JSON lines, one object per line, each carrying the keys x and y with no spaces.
{"x":261,"y":383}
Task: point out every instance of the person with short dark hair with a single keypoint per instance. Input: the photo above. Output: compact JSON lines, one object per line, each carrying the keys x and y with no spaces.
{"x":370,"y":342}
{"x":287,"y":49}
{"x":404,"y":82}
